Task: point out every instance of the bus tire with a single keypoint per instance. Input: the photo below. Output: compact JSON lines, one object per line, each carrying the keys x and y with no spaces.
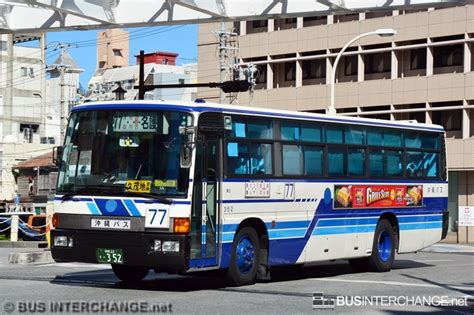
{"x":130,"y":273}
{"x":244,"y":259}
{"x":383,"y":248}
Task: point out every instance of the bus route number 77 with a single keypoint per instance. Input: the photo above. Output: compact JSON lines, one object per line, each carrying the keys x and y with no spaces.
{"x":157,"y":218}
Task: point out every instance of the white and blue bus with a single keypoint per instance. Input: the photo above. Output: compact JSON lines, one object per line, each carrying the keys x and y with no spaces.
{"x":184,"y":187}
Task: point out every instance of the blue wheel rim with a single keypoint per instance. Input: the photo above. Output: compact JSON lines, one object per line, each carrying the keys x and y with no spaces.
{"x":385,"y":246}
{"x":245,"y":254}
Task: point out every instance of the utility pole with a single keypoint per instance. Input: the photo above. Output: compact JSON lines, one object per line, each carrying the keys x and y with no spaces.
{"x":227,"y":51}
{"x":62,"y":67}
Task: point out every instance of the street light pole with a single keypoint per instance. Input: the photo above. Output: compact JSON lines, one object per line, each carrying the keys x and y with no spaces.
{"x":384,"y":32}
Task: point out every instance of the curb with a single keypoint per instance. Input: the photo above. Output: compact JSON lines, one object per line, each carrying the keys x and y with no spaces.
{"x":23,"y":244}
{"x":449,"y":248}
{"x":39,"y":257}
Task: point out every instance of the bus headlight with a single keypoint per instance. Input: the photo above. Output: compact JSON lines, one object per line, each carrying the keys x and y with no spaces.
{"x":170,"y":246}
{"x":63,"y":241}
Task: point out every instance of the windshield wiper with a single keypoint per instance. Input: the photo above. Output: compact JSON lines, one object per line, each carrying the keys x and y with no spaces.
{"x":153,"y":196}
{"x":90,"y":188}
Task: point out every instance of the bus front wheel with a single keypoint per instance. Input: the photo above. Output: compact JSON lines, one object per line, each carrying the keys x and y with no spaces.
{"x":130,"y":273}
{"x":244,"y":260}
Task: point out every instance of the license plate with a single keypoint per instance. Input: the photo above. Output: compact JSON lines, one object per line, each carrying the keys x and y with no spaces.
{"x":109,"y":256}
{"x":110,"y":224}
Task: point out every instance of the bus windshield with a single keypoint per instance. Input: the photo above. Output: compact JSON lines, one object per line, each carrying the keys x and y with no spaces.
{"x":124,"y":151}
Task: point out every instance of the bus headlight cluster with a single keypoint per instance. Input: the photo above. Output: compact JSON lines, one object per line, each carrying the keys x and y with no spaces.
{"x":63,"y":241}
{"x":165,"y":246}
{"x":170,"y":246}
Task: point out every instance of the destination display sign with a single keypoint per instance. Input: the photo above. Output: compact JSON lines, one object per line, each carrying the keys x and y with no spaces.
{"x":130,"y":122}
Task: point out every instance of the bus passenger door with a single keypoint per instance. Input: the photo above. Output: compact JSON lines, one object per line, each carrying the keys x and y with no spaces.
{"x":205,"y":216}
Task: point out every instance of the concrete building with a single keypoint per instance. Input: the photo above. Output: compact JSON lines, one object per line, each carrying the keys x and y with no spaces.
{"x":159,"y":68}
{"x":112,"y":49}
{"x":22,"y":106}
{"x":425,"y":73}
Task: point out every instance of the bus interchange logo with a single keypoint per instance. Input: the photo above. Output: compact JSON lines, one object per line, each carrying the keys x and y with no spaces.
{"x":320,"y":302}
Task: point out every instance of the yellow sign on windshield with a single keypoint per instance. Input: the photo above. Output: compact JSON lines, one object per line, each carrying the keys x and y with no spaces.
{"x":143,"y":186}
{"x":165,"y":183}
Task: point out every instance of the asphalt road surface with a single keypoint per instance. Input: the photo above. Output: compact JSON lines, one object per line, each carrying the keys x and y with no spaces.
{"x":431,"y":279}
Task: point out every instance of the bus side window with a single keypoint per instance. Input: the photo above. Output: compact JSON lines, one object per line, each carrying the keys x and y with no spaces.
{"x":431,"y":164}
{"x":414,"y":166}
{"x":249,"y":158}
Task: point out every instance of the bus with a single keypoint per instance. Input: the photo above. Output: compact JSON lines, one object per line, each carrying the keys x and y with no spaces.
{"x":184,"y":187}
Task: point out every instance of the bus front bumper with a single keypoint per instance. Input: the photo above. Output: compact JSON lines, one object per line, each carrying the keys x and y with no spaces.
{"x":136,"y":247}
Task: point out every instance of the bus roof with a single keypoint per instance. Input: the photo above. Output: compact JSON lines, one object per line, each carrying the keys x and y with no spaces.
{"x":246,"y":110}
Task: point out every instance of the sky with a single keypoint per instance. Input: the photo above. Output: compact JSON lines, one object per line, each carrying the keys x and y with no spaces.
{"x":181,"y":39}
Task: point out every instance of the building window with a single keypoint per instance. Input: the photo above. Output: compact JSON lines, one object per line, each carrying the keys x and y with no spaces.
{"x":314,"y":69}
{"x":261,"y":76}
{"x":448,"y":56}
{"x":418,"y":59}
{"x":378,"y":63}
{"x":314,"y":20}
{"x":290,"y":71}
{"x":451,"y":120}
{"x":117,"y":52}
{"x":165,"y":61}
{"x":3,"y":45}
{"x":350,"y":65}
{"x":259,"y":23}
{"x":24,"y":71}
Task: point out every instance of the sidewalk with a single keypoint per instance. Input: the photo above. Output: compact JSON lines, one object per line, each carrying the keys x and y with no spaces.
{"x":450,"y":248}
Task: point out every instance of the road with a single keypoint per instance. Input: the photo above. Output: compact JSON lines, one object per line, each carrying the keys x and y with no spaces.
{"x":426,"y":274}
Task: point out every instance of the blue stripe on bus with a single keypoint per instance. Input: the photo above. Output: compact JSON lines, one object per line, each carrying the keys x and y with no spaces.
{"x":286,"y":233}
{"x":132,"y":208}
{"x":335,"y":226}
{"x":201,"y":109}
{"x":287,"y":224}
{"x":93,"y":208}
{"x":347,"y":221}
{"x":419,"y":218}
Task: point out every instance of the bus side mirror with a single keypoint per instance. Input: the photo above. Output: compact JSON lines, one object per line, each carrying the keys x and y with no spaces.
{"x":57,"y":155}
{"x":185,"y":156}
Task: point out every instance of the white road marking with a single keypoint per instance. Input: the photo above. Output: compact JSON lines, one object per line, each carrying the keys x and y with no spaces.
{"x":75,"y":265}
{"x":433,"y":260}
{"x":423,"y":285}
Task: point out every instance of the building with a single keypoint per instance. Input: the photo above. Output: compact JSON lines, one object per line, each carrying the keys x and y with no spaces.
{"x":424,"y":73}
{"x":23,"y":123}
{"x":159,"y":68}
{"x":112,"y":49}
{"x":36,"y":181}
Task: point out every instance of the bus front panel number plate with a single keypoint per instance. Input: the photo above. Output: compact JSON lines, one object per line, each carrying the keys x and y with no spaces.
{"x":109,"y":256}
{"x":157,"y":218}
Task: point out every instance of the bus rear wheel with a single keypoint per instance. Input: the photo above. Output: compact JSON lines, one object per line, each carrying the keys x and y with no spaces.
{"x":130,"y":273}
{"x":244,"y":260}
{"x":383,"y":250}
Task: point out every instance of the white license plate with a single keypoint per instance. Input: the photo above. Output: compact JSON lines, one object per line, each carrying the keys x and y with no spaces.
{"x":110,"y":224}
